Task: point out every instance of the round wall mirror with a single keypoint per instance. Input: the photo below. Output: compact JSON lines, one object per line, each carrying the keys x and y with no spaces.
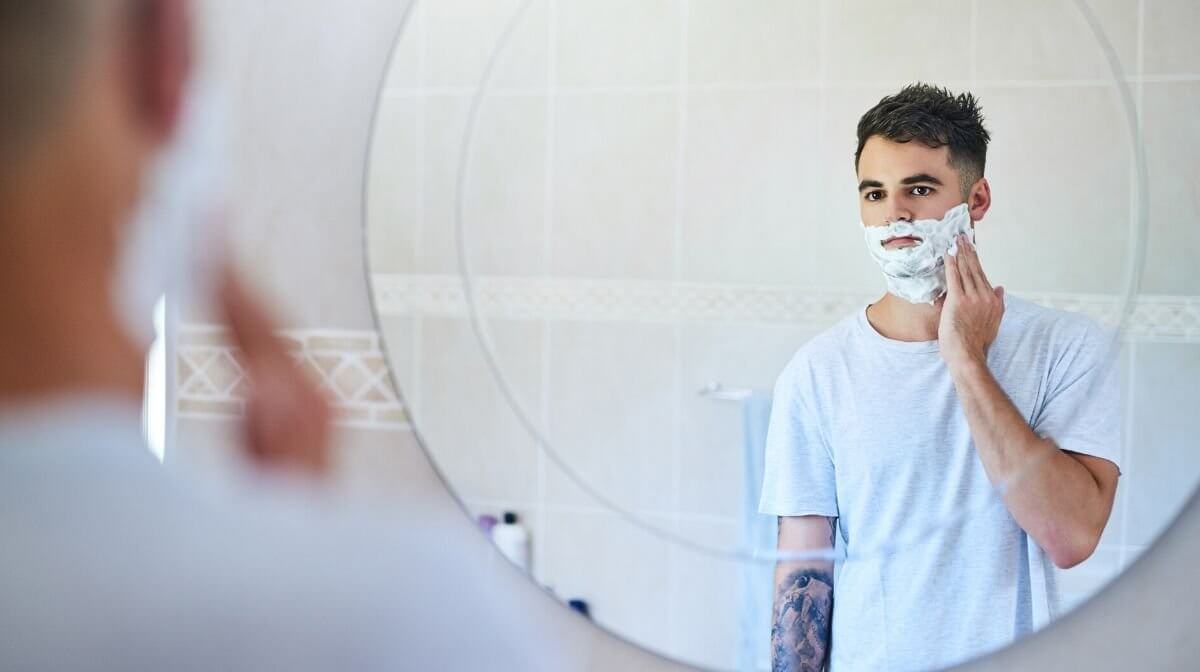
{"x":621,"y":258}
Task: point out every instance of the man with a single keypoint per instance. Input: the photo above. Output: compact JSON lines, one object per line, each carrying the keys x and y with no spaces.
{"x":107,"y":562}
{"x":955,"y":439}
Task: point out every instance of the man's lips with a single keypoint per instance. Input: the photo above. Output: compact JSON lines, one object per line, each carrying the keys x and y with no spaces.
{"x":900,"y":242}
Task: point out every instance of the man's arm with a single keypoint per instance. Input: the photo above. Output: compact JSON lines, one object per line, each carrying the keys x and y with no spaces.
{"x":800,"y":630}
{"x":1061,"y":499}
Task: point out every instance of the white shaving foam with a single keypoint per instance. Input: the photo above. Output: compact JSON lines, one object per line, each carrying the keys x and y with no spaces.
{"x":917,"y":274}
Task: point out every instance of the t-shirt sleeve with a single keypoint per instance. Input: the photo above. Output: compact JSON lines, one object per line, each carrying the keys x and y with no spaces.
{"x":798,"y":474}
{"x":1082,"y":408}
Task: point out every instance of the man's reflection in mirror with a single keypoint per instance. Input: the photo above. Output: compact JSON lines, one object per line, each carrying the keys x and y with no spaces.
{"x":944,"y":394}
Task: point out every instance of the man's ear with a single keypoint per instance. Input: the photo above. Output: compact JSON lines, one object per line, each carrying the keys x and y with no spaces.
{"x":162,"y":53}
{"x":979,"y":200}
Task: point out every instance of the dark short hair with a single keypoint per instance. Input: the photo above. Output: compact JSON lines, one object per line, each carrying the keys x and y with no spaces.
{"x":935,"y":117}
{"x":41,"y":45}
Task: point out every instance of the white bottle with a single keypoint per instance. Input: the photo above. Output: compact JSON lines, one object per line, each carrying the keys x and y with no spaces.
{"x":512,"y":539}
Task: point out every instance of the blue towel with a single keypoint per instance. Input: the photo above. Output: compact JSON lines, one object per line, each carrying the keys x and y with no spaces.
{"x":758,"y":536}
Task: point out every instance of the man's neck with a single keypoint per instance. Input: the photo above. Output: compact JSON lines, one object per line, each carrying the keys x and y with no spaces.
{"x":61,"y":331}
{"x":58,"y":345}
{"x":900,"y":320}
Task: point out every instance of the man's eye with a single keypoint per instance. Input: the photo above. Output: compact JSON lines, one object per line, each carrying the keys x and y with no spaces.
{"x":874,"y":195}
{"x":927,"y":191}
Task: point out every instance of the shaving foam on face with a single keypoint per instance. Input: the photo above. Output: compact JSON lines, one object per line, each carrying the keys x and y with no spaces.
{"x":917,"y":274}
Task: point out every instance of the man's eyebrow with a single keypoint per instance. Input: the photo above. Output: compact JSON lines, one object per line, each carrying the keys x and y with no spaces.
{"x":921,"y":177}
{"x":869,"y":184}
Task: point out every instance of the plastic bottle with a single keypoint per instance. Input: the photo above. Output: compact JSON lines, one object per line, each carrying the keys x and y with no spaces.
{"x":580,"y":606}
{"x":486,"y":523}
{"x":512,"y":539}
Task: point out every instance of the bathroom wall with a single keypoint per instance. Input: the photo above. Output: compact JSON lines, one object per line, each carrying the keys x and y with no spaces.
{"x":680,"y":95}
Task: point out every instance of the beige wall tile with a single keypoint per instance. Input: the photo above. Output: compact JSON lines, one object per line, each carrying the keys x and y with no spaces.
{"x":750,"y":179}
{"x":394,"y":187}
{"x":1036,"y":39}
{"x":386,"y":467}
{"x":623,"y":572}
{"x":617,"y":42}
{"x":472,"y":434}
{"x":404,"y":68}
{"x":614,"y":185}
{"x":611,"y":394}
{"x":503,"y":220}
{"x":207,"y":448}
{"x":1164,"y":465}
{"x":1085,"y":579}
{"x":762,"y":41}
{"x":461,"y":35}
{"x":396,"y":340}
{"x":1060,"y":177}
{"x":874,"y":41}
{"x":706,"y":598}
{"x":711,"y":435}
{"x":1170,"y":38}
{"x":1172,"y":136}
{"x":300,"y":120}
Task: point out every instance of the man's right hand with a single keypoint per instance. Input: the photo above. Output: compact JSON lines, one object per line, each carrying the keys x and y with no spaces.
{"x":288,"y":420}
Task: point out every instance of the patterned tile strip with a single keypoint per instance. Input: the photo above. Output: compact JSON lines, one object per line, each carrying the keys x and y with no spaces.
{"x":347,"y":365}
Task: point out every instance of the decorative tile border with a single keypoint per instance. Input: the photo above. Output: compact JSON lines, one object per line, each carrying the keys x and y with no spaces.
{"x":348,"y":366}
{"x":1157,"y":318}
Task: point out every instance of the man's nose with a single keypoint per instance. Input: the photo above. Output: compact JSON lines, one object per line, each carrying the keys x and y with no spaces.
{"x":898,"y":214}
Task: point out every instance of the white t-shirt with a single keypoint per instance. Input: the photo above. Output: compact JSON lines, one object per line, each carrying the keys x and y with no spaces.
{"x":870,"y":430}
{"x":109,"y":562}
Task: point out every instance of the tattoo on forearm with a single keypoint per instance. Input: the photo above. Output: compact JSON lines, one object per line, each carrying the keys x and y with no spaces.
{"x":803,"y":610}
{"x":802,"y":620}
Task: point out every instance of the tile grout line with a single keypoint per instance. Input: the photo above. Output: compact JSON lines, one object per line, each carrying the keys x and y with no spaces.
{"x":1165,"y":79}
{"x":414,"y":404}
{"x":799,"y":85}
{"x":540,"y":550}
{"x":680,"y":196}
{"x":973,"y":68}
{"x":551,"y":133}
{"x":1141,"y":38}
{"x":681,"y":134}
{"x":1141,"y":61}
{"x":1127,"y":451}
{"x":823,"y":42}
{"x":422,"y":102}
{"x":822,"y":90}
{"x":681,"y":130}
{"x":676,"y":468}
{"x":1130,"y":383}
{"x":547,"y":265}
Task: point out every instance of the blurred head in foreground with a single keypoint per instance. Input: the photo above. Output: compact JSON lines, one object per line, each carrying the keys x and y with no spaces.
{"x":93,"y":91}
{"x":103,"y":165}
